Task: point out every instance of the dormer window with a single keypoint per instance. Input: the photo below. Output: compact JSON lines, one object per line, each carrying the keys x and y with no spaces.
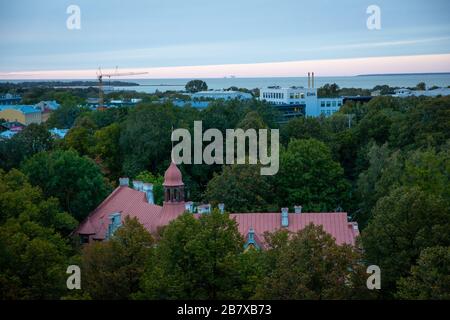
{"x":115,"y":223}
{"x":251,"y":241}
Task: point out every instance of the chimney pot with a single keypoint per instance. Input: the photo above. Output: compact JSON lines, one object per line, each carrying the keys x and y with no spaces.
{"x":298,"y":209}
{"x":284,"y":217}
{"x":124,"y":182}
{"x":147,"y":188}
{"x":137,"y":185}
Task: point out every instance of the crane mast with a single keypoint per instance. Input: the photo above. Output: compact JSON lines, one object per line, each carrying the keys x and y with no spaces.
{"x":100,"y":76}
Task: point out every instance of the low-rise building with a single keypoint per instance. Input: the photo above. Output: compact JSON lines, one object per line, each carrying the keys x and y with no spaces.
{"x":8,"y":99}
{"x":404,"y":92}
{"x":25,"y":114}
{"x":221,"y":94}
{"x":138,"y":202}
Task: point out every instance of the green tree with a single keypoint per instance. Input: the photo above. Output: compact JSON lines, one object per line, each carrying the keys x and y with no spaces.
{"x":32,"y":139}
{"x":112,"y":269}
{"x":403,"y":223}
{"x":421,"y":86}
{"x":33,"y":256}
{"x":312,"y":266}
{"x":64,"y":117}
{"x":242,"y":188}
{"x":430,"y":278}
{"x":145,"y":138}
{"x":196,"y":259}
{"x":106,"y":149}
{"x":157,"y":181}
{"x":76,"y":181}
{"x":310,"y":177}
{"x":196,"y":86}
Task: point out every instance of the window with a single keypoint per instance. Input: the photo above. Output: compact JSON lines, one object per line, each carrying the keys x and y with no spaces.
{"x":322,"y":104}
{"x":328,"y":104}
{"x":84,"y":239}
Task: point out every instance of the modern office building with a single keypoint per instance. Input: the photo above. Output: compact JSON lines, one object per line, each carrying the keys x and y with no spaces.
{"x":291,"y":101}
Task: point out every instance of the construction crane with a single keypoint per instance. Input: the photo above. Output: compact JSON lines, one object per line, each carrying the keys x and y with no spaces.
{"x":100,"y":76}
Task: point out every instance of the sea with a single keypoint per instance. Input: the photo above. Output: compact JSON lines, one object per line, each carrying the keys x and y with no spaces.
{"x":360,"y":81}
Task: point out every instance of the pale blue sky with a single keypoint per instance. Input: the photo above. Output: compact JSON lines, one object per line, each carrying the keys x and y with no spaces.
{"x":164,"y":33}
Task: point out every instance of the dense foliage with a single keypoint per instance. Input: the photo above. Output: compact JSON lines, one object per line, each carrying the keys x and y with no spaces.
{"x":385,"y":162}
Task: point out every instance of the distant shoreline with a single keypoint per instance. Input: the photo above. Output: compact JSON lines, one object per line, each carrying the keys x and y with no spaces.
{"x":401,"y":74}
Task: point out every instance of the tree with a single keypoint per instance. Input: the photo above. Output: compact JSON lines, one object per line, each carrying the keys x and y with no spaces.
{"x":33,"y":261}
{"x":76,"y":181}
{"x":430,"y":278}
{"x":196,"y":86}
{"x":306,"y":128}
{"x":421,"y":86}
{"x":195,"y":259}
{"x":106,"y":149}
{"x":146,"y":149}
{"x":19,"y":199}
{"x":112,"y":269}
{"x":310,"y":265}
{"x":64,"y":116}
{"x":33,"y":256}
{"x":157,"y":181}
{"x":32,"y":139}
{"x":403,"y":223}
{"x":242,"y":188}
{"x":309,"y":177}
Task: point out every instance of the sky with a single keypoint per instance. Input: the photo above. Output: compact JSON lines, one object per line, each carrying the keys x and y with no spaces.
{"x":217,"y":38}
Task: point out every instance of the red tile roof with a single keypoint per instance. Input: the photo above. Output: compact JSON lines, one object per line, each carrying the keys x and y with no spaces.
{"x":335,"y":223}
{"x":133,"y":203}
{"x":130,"y":202}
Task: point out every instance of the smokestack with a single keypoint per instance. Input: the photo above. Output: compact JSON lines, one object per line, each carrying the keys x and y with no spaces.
{"x":312,"y":80}
{"x":309,"y":81}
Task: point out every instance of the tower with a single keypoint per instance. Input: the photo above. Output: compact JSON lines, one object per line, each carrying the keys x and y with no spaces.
{"x":173,"y":185}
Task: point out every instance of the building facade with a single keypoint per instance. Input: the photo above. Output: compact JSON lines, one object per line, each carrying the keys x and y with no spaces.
{"x":137,"y":201}
{"x":24,"y":114}
{"x":221,"y":94}
{"x":303,"y":98}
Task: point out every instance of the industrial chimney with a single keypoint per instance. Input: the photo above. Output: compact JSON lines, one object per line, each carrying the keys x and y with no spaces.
{"x":312,"y":80}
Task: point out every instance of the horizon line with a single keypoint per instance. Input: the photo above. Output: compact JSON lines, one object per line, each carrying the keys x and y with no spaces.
{"x":345,"y":67}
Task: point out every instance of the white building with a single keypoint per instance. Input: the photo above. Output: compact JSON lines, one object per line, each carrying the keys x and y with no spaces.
{"x":304,"y":97}
{"x":404,"y":92}
{"x":221,"y":94}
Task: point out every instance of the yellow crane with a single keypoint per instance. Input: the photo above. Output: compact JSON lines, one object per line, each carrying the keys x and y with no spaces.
{"x":100,"y":76}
